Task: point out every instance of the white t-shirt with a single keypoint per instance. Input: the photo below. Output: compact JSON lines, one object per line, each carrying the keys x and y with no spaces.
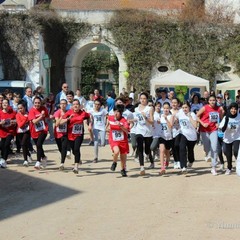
{"x":176,"y":126}
{"x":89,"y":106}
{"x":166,"y":132}
{"x":232,"y":132}
{"x":157,"y":126}
{"x":99,"y":119}
{"x":143,"y":127}
{"x":187,"y":129}
{"x":81,"y":99}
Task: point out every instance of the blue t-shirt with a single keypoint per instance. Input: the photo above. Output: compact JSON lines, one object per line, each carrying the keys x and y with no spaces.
{"x":110,"y":103}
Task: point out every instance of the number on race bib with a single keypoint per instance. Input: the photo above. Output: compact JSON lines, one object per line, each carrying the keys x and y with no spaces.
{"x":23,"y":129}
{"x":62,"y":128}
{"x":233,"y":126}
{"x":213,"y":116}
{"x":77,"y":129}
{"x":117,"y":135}
{"x":164,"y":127}
{"x":39,"y":126}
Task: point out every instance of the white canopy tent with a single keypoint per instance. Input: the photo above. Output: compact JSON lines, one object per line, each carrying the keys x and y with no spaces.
{"x":179,"y":78}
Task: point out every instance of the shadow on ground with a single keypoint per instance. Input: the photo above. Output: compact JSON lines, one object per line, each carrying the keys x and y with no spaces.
{"x":20,"y":193}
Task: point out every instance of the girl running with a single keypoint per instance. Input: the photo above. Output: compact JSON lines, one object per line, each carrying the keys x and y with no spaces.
{"x":98,"y":115}
{"x":188,"y":136}
{"x":23,"y":132}
{"x":60,"y":132}
{"x":118,"y":138}
{"x":39,"y":129}
{"x":230,"y":125}
{"x":208,"y":117}
{"x":7,"y":130}
{"x":74,"y":118}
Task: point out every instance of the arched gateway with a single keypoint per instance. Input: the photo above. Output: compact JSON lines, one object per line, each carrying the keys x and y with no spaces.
{"x":80,"y":49}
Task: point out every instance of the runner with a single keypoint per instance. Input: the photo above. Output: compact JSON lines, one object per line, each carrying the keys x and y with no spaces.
{"x":144,"y":117}
{"x":98,"y":116}
{"x":230,"y":125}
{"x":7,"y":130}
{"x":188,"y":135}
{"x":165,"y":140}
{"x":75,"y":117}
{"x":208,"y":117}
{"x":60,"y":132}
{"x":39,"y":129}
{"x":118,"y":138}
{"x":23,"y":132}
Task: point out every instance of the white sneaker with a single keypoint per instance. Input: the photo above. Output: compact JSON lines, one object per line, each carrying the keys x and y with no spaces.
{"x":44,"y":162}
{"x":228,"y":172}
{"x":61,"y":167}
{"x":214,"y":172}
{"x":179,"y":165}
{"x":68,"y":155}
{"x":25,"y":163}
{"x":29,"y":159}
{"x":190,"y":165}
{"x":175,"y":165}
{"x":208,"y":159}
{"x":222,"y":167}
{"x":3,"y":163}
{"x":184,"y":170}
{"x":156,"y":158}
{"x":37,"y":165}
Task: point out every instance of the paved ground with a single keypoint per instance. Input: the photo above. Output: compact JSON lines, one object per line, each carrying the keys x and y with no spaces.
{"x":100,"y":204}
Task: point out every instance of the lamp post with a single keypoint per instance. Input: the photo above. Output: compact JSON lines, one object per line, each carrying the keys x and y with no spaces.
{"x":47,"y":65}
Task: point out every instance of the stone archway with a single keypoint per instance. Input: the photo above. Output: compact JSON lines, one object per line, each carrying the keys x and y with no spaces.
{"x":80,"y":49}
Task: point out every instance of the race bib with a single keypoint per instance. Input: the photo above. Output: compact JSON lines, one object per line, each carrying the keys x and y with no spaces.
{"x":39,"y":126}
{"x":77,"y":129}
{"x":23,"y":129}
{"x":62,"y":128}
{"x":164,"y":127}
{"x":233,"y":126}
{"x":98,"y":120}
{"x":213,"y":116}
{"x":117,"y":135}
{"x":140,"y":118}
{"x":184,"y":123}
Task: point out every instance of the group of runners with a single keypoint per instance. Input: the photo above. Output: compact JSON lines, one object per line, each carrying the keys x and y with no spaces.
{"x":156,"y":130}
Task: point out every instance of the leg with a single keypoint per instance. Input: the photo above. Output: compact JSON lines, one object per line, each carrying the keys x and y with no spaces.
{"x":148,"y":142}
{"x":228,"y":154}
{"x":214,"y":147}
{"x":139,"y":139}
{"x":183,"y":151}
{"x":206,"y":143}
{"x":190,"y":150}
{"x":5,"y":146}
{"x":95,"y":137}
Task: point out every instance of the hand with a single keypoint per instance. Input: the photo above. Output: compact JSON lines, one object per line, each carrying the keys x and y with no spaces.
{"x":205,"y":125}
{"x":43,"y":114}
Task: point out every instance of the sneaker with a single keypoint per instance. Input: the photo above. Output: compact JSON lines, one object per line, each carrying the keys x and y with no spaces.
{"x":75,"y":170}
{"x":123,"y":173}
{"x":228,"y":172}
{"x":151,"y":166}
{"x":222,"y":167}
{"x":29,"y":159}
{"x":156,"y":158}
{"x":95,"y":160}
{"x":68,"y":155}
{"x":175,"y":165}
{"x":146,"y":158}
{"x":184,"y":170}
{"x":37,"y":165}
{"x":25,"y":163}
{"x":162,"y":171}
{"x":61,"y":167}
{"x":113,"y":167}
{"x":166,"y":164}
{"x":190,"y":165}
{"x":44,"y":162}
{"x":33,"y":151}
{"x":142,"y":172}
{"x":214,"y":172}
{"x":3,"y":163}
{"x":208,"y":159}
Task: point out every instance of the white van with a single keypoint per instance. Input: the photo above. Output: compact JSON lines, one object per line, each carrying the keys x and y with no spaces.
{"x":17,"y":86}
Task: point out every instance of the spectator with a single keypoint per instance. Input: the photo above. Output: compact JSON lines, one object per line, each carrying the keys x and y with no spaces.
{"x":110,"y":102}
{"x":80,"y":98}
{"x":28,"y":98}
{"x":61,"y":95}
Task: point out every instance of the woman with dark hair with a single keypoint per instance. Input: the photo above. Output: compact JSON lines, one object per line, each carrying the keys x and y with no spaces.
{"x":196,"y":104}
{"x":7,"y":130}
{"x":143,"y":116}
{"x":226,"y":98}
{"x":230,"y":125}
{"x":39,"y":129}
{"x":118,"y":138}
{"x":208,"y":117}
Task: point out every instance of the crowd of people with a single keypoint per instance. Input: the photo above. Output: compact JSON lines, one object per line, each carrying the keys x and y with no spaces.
{"x":156,"y":127}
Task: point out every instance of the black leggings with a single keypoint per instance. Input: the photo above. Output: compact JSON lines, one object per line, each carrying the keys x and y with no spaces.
{"x":62,"y":144}
{"x":186,"y":151}
{"x":175,"y":148}
{"x":75,"y":146}
{"x":5,"y":143}
{"x":228,"y":148}
{"x":24,"y":139}
{"x":140,"y":144}
{"x":39,"y":143}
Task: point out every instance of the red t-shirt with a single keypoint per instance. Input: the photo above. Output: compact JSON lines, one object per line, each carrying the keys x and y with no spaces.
{"x":116,"y":135}
{"x":75,"y":124}
{"x":22,"y":123}
{"x":7,"y":128}
{"x":210,"y":116}
{"x":61,"y":130}
{"x":41,"y":126}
